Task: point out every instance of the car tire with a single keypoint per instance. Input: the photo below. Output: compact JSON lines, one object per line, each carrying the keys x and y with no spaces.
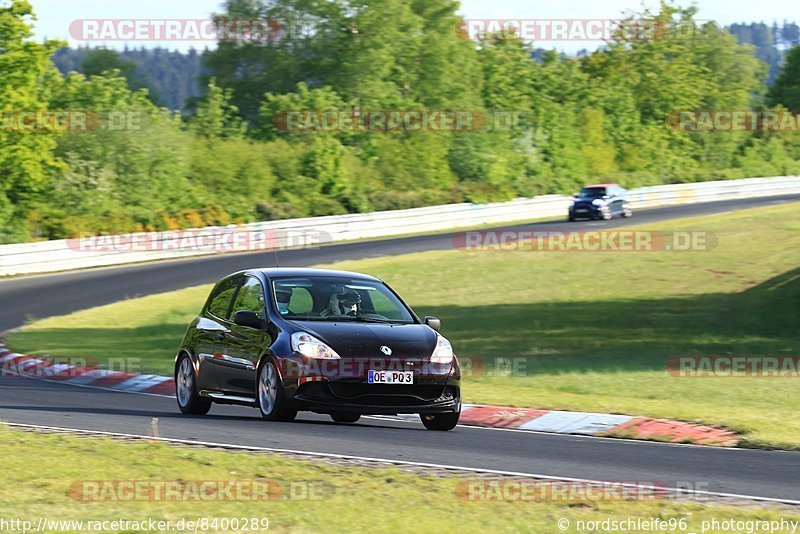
{"x":344,"y":417}
{"x":627,"y":213}
{"x":270,"y":395}
{"x":440,"y":421}
{"x":189,"y":401}
{"x":570,"y":219}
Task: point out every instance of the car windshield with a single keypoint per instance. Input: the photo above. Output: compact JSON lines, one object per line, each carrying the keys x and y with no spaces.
{"x":325,"y":298}
{"x":592,"y":192}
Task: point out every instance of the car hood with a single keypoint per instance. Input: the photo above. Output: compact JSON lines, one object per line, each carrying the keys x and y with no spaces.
{"x":364,"y":340}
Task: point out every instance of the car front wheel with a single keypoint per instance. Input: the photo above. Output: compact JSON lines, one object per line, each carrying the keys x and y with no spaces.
{"x":440,"y":421}
{"x":271,"y":396}
{"x":186,"y":389}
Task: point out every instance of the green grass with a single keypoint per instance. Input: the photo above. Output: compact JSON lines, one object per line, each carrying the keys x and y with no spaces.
{"x":594,"y":329}
{"x":357,"y":499}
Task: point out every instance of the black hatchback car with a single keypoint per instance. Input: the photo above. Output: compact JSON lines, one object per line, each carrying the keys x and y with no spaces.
{"x":602,"y":201}
{"x":330,"y":342}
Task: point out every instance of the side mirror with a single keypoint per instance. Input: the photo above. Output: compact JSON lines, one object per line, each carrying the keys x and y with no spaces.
{"x":248,"y":319}
{"x":434,"y":323}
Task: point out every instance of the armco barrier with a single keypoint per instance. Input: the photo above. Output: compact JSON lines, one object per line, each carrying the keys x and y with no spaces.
{"x":60,"y":255}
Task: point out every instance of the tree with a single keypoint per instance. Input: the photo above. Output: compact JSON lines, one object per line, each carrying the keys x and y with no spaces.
{"x":216,"y":116}
{"x":786,"y":89}
{"x":26,"y":159}
{"x":101,"y":60}
{"x":416,"y":58}
{"x":275,"y":107}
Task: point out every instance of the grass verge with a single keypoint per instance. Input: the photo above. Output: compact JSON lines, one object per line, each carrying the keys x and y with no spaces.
{"x":355,"y":499}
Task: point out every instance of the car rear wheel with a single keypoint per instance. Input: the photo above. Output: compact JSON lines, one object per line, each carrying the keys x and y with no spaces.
{"x":342,"y":417}
{"x":186,"y":389}
{"x":440,"y":421}
{"x":271,"y":396}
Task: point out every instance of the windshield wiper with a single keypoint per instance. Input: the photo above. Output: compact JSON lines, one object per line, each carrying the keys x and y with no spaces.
{"x":335,"y":318}
{"x":344,"y":318}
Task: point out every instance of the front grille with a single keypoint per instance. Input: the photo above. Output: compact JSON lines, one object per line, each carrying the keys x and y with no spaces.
{"x":352,"y":390}
{"x":374,"y":394}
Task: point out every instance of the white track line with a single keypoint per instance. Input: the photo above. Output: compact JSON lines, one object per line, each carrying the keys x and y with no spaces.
{"x":397,"y":462}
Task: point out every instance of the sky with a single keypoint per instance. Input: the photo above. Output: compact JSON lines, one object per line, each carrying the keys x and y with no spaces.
{"x":55,"y":16}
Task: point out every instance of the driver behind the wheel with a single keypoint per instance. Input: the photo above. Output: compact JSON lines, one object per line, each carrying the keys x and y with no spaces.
{"x":350,"y":303}
{"x":347,"y":303}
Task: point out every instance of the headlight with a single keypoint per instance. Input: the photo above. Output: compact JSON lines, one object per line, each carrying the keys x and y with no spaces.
{"x":443,"y":353}
{"x":571,"y":203}
{"x":308,"y":345}
{"x":597,"y":202}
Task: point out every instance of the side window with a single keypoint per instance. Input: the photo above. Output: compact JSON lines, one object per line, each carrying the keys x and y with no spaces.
{"x":250,"y":297}
{"x":220,"y":302}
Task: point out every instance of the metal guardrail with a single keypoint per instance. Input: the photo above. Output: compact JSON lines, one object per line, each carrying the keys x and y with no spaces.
{"x":67,"y":254}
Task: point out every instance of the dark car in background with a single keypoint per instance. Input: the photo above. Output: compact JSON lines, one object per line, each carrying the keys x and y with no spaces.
{"x":330,"y":342}
{"x":602,"y":201}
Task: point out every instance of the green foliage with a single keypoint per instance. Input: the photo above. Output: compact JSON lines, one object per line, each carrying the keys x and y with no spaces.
{"x":216,"y":116}
{"x":170,"y":76}
{"x":542,"y":122}
{"x":102,"y":60}
{"x":27,"y":163}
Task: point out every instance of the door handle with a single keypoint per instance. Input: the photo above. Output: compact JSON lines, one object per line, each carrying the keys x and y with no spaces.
{"x":221,"y":336}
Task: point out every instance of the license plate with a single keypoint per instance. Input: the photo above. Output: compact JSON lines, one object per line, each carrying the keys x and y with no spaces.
{"x":390,"y":377}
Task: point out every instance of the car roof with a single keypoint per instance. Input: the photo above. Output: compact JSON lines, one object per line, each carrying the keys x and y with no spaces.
{"x":281,"y":272}
{"x":600,"y":185}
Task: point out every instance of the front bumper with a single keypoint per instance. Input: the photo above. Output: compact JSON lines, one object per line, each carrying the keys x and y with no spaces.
{"x":378,"y":399}
{"x":587,"y":211}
